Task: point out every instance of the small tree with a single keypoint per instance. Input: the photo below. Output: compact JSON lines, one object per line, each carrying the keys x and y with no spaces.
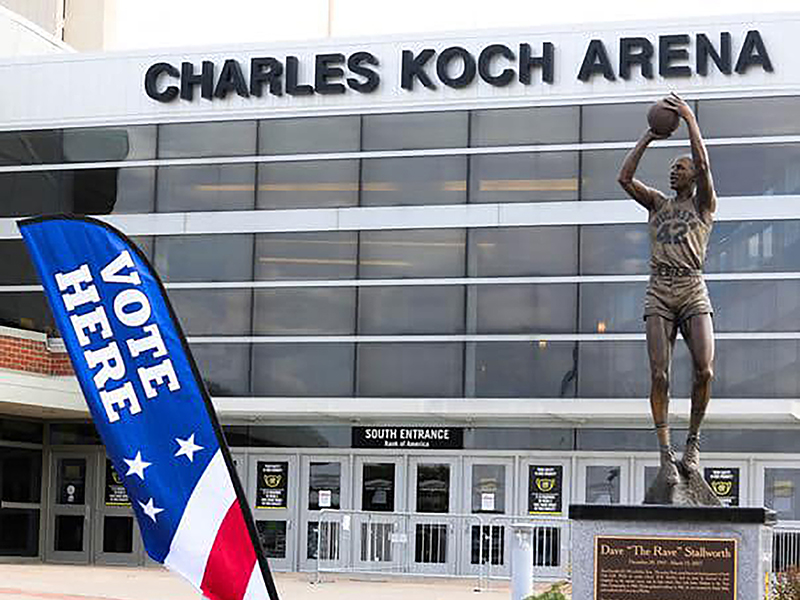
{"x":555,"y":593}
{"x":787,"y":585}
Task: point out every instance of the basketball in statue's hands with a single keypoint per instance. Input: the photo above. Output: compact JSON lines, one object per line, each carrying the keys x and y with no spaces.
{"x":661,"y":119}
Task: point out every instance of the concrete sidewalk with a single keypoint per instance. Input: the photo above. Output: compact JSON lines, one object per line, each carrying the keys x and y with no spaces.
{"x":61,"y":582}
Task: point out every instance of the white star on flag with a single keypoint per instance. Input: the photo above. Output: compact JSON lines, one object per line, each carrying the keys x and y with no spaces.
{"x":150,"y":509}
{"x":136,"y":466}
{"x":188,"y":448}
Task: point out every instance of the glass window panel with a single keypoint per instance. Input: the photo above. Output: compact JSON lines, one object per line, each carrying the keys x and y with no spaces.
{"x":754,"y":246}
{"x":377,"y":487}
{"x":622,"y":370}
{"x":519,"y":251}
{"x":408,"y":131}
{"x":117,"y":534}
{"x":310,"y":184}
{"x":305,"y":311}
{"x":599,"y":170}
{"x":433,"y":488}
{"x":489,"y":489}
{"x":756,"y":369}
{"x":145,"y":245}
{"x":411,"y":310}
{"x":410,"y":369}
{"x":225,"y":368}
{"x":30,"y":147}
{"x":16,"y":267}
{"x":206,"y":187}
{"x":20,"y":475}
{"x":412,"y":253}
{"x":204,"y":257}
{"x":525,"y":308}
{"x":535,"y":177}
{"x":307,"y":135}
{"x":612,"y":307}
{"x":522,"y":126}
{"x":487,"y":544}
{"x":135,"y":190}
{"x":212,"y":312}
{"x":755,"y":305}
{"x":525,"y":369}
{"x":643,"y":440}
{"x":299,"y":436}
{"x":518,"y":438}
{"x":620,"y":122}
{"x":16,"y":430}
{"x":749,"y":116}
{"x":303,"y":369}
{"x":34,"y":193}
{"x":615,"y":249}
{"x":73,"y":433}
{"x":602,"y":485}
{"x":306,"y":255}
{"x":430,"y":543}
{"x":230,"y":138}
{"x":756,"y":169}
{"x":272,"y":535}
{"x":324,"y":485}
{"x":71,"y":478}
{"x":69,"y":533}
{"x":20,"y":527}
{"x":782,"y":492}
{"x":415,"y":180}
{"x":109,"y":143}
{"x":322,"y":543}
{"x":26,"y":310}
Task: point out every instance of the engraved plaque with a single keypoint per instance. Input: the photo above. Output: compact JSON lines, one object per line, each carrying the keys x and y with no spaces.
{"x":664,"y":568}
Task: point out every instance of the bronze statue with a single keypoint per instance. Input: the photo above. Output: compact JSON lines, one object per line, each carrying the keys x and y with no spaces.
{"x":677,"y":297}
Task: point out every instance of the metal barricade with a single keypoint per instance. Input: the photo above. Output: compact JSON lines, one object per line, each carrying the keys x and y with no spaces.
{"x":785,"y":548}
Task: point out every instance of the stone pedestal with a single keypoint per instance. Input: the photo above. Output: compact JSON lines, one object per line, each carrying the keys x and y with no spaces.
{"x":670,"y":552}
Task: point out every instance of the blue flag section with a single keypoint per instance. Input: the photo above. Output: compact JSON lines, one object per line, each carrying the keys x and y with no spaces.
{"x":149,"y":405}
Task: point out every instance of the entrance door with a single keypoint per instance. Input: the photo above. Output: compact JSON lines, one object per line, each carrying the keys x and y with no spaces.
{"x":117,"y":538}
{"x":325,"y":534}
{"x":488,"y":494}
{"x":604,"y":481}
{"x":69,"y":532}
{"x":435,"y":482}
{"x":381,"y":536}
{"x":273,"y":484}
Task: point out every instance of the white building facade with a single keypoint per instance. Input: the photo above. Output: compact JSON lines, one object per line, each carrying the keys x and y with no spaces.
{"x":409,"y":277}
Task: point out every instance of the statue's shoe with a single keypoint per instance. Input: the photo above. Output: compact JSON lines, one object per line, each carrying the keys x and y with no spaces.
{"x":691,"y":454}
{"x":669,"y":467}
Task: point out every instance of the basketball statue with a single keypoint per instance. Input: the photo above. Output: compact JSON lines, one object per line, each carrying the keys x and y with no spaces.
{"x":677,"y":298}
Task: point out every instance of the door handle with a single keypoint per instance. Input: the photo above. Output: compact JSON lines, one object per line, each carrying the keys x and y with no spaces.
{"x":87,"y":511}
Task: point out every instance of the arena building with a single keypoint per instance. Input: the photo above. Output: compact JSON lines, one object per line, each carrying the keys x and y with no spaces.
{"x":410,"y":279}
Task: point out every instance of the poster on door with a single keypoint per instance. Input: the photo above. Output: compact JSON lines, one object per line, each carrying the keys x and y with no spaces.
{"x":272,"y":485}
{"x":725,"y":483}
{"x":115,"y":491}
{"x":545,"y":489}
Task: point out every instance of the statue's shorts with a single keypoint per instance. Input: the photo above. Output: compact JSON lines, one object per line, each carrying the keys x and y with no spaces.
{"x":677,"y":298}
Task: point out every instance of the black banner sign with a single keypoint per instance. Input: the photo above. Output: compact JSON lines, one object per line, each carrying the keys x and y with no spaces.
{"x":545,"y":489}
{"x":272,"y":485}
{"x":725,"y":483}
{"x":115,"y":491}
{"x":664,"y":568}
{"x":436,"y":438}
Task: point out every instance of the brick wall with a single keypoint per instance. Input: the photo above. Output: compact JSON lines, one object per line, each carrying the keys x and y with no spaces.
{"x":32,"y":356}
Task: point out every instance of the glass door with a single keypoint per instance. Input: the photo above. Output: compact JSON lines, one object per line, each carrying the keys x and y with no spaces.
{"x":117,"y":538}
{"x":381,"y":536}
{"x":325,"y":533}
{"x":69,"y":532}
{"x":435,"y":482}
{"x":604,"y":481}
{"x":488,"y":494}
{"x":273,"y":488}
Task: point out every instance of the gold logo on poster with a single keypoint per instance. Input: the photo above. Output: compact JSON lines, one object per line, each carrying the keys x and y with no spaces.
{"x":545,"y":484}
{"x":722,"y":488}
{"x":273,"y":481}
{"x":117,"y":479}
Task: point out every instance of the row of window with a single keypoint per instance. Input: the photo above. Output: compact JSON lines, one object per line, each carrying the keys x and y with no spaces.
{"x":456,"y":129}
{"x":735,"y":247}
{"x":739,"y":170}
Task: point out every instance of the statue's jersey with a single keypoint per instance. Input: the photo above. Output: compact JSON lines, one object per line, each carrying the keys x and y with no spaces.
{"x":678,"y":235}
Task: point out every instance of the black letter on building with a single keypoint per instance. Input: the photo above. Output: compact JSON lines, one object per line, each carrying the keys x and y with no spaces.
{"x":705,"y":49}
{"x":413,"y":67}
{"x":372,"y":79}
{"x":231,"y":79}
{"x":528,"y":62}
{"x":596,"y":61}
{"x":189,"y":79}
{"x":151,"y":82}
{"x":443,"y":67}
{"x":753,"y":53}
{"x":667,"y":53}
{"x":324,"y":69}
{"x":266,"y":70}
{"x":292,"y":87}
{"x":627,"y":56}
{"x":485,"y":63}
